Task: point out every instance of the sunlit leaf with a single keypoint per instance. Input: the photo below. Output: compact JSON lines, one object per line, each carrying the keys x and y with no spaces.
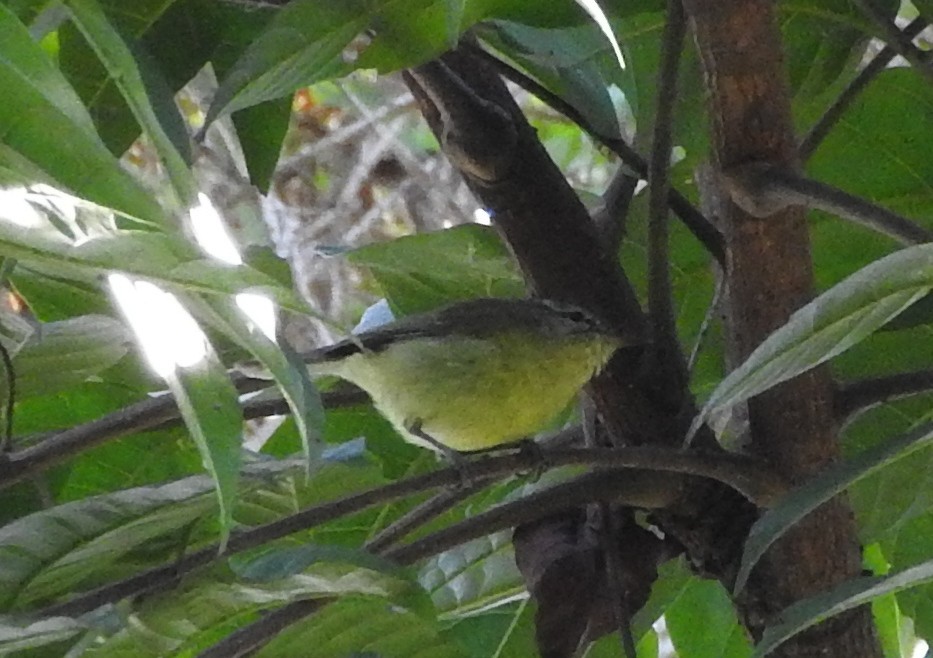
{"x":46,"y":131}
{"x":285,"y":367}
{"x":145,"y":92}
{"x":158,"y":258}
{"x":208,"y":404}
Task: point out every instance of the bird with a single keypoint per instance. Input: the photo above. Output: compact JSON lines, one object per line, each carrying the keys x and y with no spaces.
{"x":476,"y":374}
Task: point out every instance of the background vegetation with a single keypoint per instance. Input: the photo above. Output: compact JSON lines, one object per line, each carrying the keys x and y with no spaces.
{"x":138,"y":523}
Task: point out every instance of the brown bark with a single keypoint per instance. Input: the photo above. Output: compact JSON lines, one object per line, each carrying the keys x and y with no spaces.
{"x":563,"y":257}
{"x":769,"y":276}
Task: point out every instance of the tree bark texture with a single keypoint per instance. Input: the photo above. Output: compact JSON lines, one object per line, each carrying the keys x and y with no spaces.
{"x":769,"y":276}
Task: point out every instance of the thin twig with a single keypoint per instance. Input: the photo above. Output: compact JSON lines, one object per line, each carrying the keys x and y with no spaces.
{"x":843,"y":102}
{"x":247,"y":640}
{"x":852,"y":398}
{"x":610,"y":540}
{"x":692,"y":218}
{"x":762,"y":190}
{"x":586,"y":489}
{"x":660,"y":291}
{"x":898,"y":40}
{"x":423,"y":513}
{"x":154,"y":413}
{"x":6,"y":441}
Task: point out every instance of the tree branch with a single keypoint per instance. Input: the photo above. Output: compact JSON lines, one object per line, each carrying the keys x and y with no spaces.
{"x":898,"y":40}
{"x":834,"y":112}
{"x":763,"y":190}
{"x":852,"y":398}
{"x":757,"y":483}
{"x":661,"y":313}
{"x":693,"y":219}
{"x":600,"y":485}
{"x":247,"y":640}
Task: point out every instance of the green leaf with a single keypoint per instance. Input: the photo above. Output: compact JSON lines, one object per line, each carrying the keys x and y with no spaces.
{"x":147,"y":94}
{"x":47,"y":131}
{"x":508,"y":627}
{"x":472,"y":576}
{"x":800,"y":502}
{"x":361,"y":627}
{"x":16,"y":637}
{"x":900,"y":178}
{"x":895,"y":631}
{"x":421,"y":272}
{"x":823,"y":45}
{"x":562,"y":60}
{"x":829,"y":325}
{"x":48,"y":553}
{"x":69,"y":352}
{"x":159,"y":258}
{"x":208,"y":403}
{"x":275,"y":563}
{"x":287,"y":369}
{"x":301,"y":42}
{"x":848,"y":595}
{"x":702,"y":623}
{"x":261,"y":129}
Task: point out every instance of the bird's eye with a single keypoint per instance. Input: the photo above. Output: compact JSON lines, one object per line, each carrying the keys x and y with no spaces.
{"x":575,"y":315}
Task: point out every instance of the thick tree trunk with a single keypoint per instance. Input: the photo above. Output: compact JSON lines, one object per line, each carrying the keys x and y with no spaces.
{"x":770,"y":276}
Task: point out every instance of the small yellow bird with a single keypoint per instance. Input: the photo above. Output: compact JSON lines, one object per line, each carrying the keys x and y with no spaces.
{"x":475,"y":374}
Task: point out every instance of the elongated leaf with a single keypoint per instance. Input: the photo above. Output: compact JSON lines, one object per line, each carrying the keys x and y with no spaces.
{"x":289,"y":372}
{"x":562,"y":60}
{"x":836,"y":479}
{"x":156,"y":257}
{"x":68,"y":352}
{"x":420,"y":272}
{"x":365,"y":627}
{"x":718,"y":636}
{"x":472,"y":576}
{"x":46,"y":554}
{"x":851,"y":594}
{"x":829,"y":325}
{"x":146,"y":94}
{"x":593,"y":9}
{"x":16,"y":637}
{"x":208,"y":404}
{"x":294,"y":50}
{"x":44,"y":129}
{"x":277,"y":563}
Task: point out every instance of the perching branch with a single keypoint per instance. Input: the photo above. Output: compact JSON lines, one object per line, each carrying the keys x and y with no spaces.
{"x":834,"y":112}
{"x":649,"y":490}
{"x":699,"y":225}
{"x":598,"y":485}
{"x":762,"y":190}
{"x":852,"y":398}
{"x":898,"y":40}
